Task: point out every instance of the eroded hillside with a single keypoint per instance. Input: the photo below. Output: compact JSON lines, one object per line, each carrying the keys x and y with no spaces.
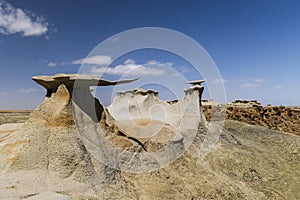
{"x":280,"y":118}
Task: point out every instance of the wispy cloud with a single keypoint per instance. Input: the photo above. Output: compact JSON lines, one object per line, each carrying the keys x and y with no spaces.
{"x":249,"y":85}
{"x":15,"y":20}
{"x":3,"y":93}
{"x":184,"y":69}
{"x":278,"y":87}
{"x":152,"y":62}
{"x":220,"y":80}
{"x":94,"y":60}
{"x":29,"y":90}
{"x":257,"y":81}
{"x":252,"y":84}
{"x":181,"y":69}
{"x":129,"y":68}
{"x":157,"y":63}
{"x":51,"y":64}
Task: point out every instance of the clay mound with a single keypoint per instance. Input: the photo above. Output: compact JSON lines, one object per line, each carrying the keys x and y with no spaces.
{"x":146,"y":128}
{"x":152,"y":134}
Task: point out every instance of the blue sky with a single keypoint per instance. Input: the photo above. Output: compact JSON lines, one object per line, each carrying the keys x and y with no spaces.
{"x":255,"y":44}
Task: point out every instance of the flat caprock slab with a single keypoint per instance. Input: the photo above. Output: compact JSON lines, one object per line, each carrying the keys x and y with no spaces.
{"x":196,"y":82}
{"x":52,"y":82}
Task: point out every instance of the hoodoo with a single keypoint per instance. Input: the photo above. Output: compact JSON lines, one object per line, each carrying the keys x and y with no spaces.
{"x":78,"y":86}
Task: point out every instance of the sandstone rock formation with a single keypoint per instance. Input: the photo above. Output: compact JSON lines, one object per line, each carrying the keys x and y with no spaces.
{"x":161,"y":131}
{"x":48,"y":157}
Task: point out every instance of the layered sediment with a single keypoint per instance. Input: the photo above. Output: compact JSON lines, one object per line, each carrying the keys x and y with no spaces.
{"x":280,"y":118}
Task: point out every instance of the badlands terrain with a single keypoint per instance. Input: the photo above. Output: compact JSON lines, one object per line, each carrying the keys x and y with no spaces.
{"x":58,"y":151}
{"x":280,"y":118}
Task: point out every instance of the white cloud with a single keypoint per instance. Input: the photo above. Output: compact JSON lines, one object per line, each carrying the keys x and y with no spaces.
{"x":252,"y":84}
{"x":3,"y":93}
{"x":129,"y":68}
{"x":249,"y":85}
{"x":220,"y":80}
{"x":184,"y":69}
{"x":152,"y":62}
{"x":129,"y":61}
{"x":157,"y":63}
{"x":258,"y":81}
{"x":51,"y":64}
{"x":181,"y":69}
{"x":170,"y":64}
{"x":94,"y":60}
{"x":15,"y":20}
{"x":278,"y":87}
{"x":28,"y":90}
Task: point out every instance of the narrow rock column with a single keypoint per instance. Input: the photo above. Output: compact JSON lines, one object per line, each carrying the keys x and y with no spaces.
{"x":196,"y":85}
